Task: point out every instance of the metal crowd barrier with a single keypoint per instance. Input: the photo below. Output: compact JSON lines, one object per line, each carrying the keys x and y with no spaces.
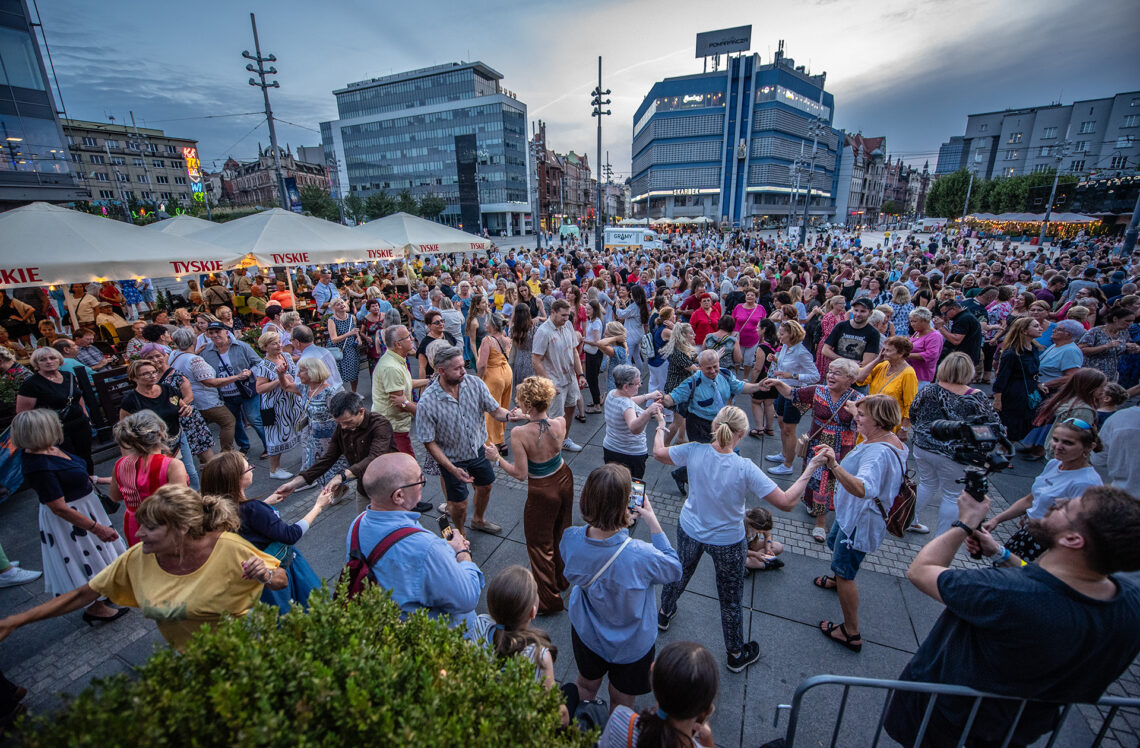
{"x":1113,"y":704}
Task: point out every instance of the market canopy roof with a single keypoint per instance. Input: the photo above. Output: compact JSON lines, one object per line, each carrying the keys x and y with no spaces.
{"x":1032,"y":218}
{"x":182,"y":225}
{"x":280,"y":237}
{"x":42,"y":244}
{"x":420,"y":236}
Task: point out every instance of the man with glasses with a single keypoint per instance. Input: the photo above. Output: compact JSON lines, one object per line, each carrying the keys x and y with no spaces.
{"x":392,"y":385}
{"x":360,"y":436}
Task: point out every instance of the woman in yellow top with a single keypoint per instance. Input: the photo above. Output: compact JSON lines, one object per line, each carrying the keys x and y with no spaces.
{"x":189,"y":569}
{"x":890,"y":374}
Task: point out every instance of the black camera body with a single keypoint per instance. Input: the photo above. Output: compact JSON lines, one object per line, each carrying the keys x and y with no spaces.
{"x":977,"y":447}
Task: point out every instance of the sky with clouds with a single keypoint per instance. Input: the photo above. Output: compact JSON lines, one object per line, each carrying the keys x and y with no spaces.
{"x":907,"y":69}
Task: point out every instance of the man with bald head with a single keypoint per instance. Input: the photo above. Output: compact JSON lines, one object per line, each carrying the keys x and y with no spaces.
{"x":420,"y":569}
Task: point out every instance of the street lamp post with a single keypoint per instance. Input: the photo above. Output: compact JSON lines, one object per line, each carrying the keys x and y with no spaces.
{"x":1059,"y":152}
{"x":817,"y":129}
{"x":598,"y":112}
{"x":259,"y":82}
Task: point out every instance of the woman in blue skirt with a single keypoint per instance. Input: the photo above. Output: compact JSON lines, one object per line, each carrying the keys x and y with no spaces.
{"x":230,"y":475}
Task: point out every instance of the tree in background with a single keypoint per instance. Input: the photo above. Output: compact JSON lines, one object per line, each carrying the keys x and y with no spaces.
{"x":405,"y":203}
{"x":892,"y":208}
{"x":378,"y":206}
{"x":319,"y":203}
{"x":431,"y":206}
{"x":354,"y":208}
{"x":948,"y":195}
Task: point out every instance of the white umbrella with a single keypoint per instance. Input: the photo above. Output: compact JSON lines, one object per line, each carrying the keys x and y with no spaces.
{"x":42,"y":244}
{"x":422,"y":237}
{"x":182,"y":225}
{"x":280,"y":237}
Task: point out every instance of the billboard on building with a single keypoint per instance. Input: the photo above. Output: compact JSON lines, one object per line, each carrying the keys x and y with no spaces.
{"x":723,"y":41}
{"x":293,"y":193}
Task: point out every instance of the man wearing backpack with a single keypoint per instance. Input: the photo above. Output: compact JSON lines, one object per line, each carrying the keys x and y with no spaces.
{"x":421,"y":569}
{"x":699,"y":398}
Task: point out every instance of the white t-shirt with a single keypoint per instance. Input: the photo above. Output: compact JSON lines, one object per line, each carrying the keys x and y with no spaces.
{"x":1054,"y":483}
{"x":618,"y":436}
{"x":593,"y":332}
{"x":879,"y":466}
{"x":718,"y":492}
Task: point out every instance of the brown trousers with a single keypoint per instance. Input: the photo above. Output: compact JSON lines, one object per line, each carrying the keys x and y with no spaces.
{"x":548,"y":512}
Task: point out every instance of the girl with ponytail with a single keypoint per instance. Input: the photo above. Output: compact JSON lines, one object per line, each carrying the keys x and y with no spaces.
{"x":685,"y":683}
{"x":712,"y":521}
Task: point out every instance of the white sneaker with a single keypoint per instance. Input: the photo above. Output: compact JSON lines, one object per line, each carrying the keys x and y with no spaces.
{"x":780,"y":470}
{"x":16,"y":576}
{"x":280,"y":474}
{"x":775,"y":458}
{"x":571,"y":446}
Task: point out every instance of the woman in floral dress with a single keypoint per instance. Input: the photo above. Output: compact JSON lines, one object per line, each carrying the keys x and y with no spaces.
{"x":344,"y":334}
{"x":273,"y":372}
{"x":371,"y":324}
{"x":836,"y":312}
{"x":197,"y":433}
{"x":312,"y":384}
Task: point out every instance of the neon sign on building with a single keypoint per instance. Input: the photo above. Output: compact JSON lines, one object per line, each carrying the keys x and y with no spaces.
{"x":194,"y":171}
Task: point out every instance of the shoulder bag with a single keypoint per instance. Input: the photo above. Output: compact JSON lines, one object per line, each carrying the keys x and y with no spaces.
{"x":803,"y":450}
{"x":607,"y":564}
{"x":901,"y":515}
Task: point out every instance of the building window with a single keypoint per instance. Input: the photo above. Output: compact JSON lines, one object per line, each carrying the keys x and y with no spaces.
{"x":1088,"y":126}
{"x":1124,"y":141}
{"x":130,"y":195}
{"x":983,"y":128}
{"x":1009,"y":171}
{"x":1040,"y":168}
{"x":1049,"y":132}
{"x":1012,"y":154}
{"x":77,"y":158}
{"x":1082,"y":146}
{"x":171,"y":149}
{"x":1077,"y":165}
{"x":1045,"y":150}
{"x":1119,"y":162}
{"x":118,"y":161}
{"x":112,"y":144}
{"x":180,"y":180}
{"x":152,"y":148}
{"x":106,"y":194}
{"x":979,"y":156}
{"x":142,"y":178}
{"x":1015,"y":137}
{"x":122,"y":177}
{"x":101,"y":176}
{"x":90,"y":142}
{"x":1132,"y":120}
{"x":165,"y":195}
{"x":97,"y":159}
{"x":162,"y":179}
{"x":176,"y":165}
{"x":147,"y":195}
{"x":138,"y":162}
{"x":159,"y":163}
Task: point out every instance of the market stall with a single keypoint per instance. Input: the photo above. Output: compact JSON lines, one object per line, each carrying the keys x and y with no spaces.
{"x":420,"y":236}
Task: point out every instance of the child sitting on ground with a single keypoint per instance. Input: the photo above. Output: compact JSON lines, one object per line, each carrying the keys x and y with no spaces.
{"x":762,"y":549}
{"x":512,"y":603}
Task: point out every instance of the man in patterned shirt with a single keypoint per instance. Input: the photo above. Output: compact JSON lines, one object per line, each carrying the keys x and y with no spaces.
{"x":450,"y":423}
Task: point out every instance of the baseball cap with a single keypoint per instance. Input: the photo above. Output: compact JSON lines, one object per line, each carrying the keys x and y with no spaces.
{"x":863,"y":301}
{"x":215,"y":326}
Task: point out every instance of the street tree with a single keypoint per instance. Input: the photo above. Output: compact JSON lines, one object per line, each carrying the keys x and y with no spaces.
{"x":431,"y":206}
{"x":319,"y":203}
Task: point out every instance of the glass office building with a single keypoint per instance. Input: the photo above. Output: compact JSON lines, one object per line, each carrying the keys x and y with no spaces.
{"x":722,"y":144}
{"x":35,"y":164}
{"x":400,"y":132}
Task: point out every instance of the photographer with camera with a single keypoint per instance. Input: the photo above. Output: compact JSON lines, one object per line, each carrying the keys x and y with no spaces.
{"x":1067,"y":475}
{"x":996,"y":636}
{"x":951,"y":398}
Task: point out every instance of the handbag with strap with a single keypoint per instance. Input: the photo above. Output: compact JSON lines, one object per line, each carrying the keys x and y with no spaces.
{"x":803,"y":449}
{"x":901,"y":515}
{"x":607,"y":564}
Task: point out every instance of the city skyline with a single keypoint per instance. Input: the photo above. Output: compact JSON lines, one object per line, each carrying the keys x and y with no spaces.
{"x":890,"y":73}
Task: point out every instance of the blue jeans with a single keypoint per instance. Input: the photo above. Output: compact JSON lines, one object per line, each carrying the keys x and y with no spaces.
{"x":251,"y":408}
{"x":188,"y":460}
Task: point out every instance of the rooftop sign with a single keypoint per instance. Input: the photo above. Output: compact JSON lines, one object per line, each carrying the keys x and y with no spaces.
{"x":712,"y":43}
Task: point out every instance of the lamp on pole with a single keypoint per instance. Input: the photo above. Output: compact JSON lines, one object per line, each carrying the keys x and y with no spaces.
{"x":259,"y":82}
{"x":1059,"y":152}
{"x":966,"y":206}
{"x":598,"y":112}
{"x":818,"y":127}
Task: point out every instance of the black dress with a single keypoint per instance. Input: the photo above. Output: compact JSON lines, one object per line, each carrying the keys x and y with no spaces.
{"x":76,"y":424}
{"x":1016,"y":379}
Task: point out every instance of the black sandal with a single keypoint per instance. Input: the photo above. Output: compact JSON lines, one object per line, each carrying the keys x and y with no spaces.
{"x":755,"y":433}
{"x":822,"y":582}
{"x":580,"y":418}
{"x":854,"y":643}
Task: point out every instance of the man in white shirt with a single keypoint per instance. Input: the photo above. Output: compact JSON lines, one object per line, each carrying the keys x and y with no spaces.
{"x":555,"y":357}
{"x":303,"y":342}
{"x":1119,"y":436}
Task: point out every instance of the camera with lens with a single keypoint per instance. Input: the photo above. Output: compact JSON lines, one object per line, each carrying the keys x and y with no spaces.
{"x":975,"y":445}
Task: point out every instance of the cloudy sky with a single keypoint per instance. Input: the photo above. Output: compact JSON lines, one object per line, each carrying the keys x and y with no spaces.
{"x":907,"y":69}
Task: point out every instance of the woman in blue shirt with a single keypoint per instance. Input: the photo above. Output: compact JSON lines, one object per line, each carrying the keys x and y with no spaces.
{"x":612,"y":578}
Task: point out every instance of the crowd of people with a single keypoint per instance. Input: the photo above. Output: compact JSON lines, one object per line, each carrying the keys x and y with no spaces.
{"x":478,"y":363}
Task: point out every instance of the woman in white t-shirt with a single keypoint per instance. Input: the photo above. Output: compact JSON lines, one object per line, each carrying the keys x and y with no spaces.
{"x":594,"y":357}
{"x":712,"y":520}
{"x":1064,"y":477}
{"x":868,"y":480}
{"x":626,"y":420}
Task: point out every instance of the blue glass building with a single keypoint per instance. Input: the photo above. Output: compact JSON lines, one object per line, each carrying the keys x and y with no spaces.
{"x":399,"y":133}
{"x":722,"y":144}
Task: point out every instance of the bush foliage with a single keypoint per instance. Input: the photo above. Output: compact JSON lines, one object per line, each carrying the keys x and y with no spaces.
{"x":348,"y":675}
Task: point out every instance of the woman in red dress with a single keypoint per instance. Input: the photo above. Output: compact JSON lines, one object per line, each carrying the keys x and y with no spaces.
{"x":705,"y":319}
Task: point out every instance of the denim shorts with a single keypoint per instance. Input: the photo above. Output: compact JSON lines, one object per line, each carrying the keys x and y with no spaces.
{"x":787,"y":409}
{"x":845,"y":560}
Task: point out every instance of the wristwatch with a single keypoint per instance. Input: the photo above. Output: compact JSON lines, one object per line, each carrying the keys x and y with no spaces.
{"x":959,"y":523}
{"x":345,"y":476}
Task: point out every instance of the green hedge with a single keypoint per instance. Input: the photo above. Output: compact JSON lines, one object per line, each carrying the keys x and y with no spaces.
{"x":352,"y":675}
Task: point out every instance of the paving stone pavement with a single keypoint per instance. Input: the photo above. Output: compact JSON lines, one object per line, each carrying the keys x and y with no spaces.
{"x":781,"y":608}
